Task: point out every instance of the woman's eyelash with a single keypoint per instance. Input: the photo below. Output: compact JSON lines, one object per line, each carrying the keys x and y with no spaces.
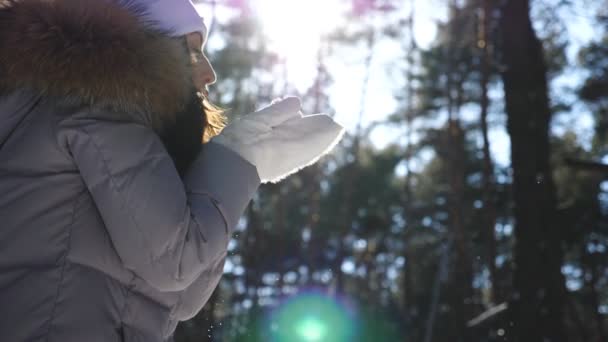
{"x":197,"y":54}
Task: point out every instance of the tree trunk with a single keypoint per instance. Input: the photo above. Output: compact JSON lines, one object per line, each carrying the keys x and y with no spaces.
{"x":593,"y":268}
{"x":537,"y":304}
{"x":408,"y":302}
{"x":460,"y":295}
{"x":489,"y":205}
{"x":462,"y":272}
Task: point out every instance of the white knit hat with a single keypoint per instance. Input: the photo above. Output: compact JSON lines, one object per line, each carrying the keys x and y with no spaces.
{"x":178,"y":17}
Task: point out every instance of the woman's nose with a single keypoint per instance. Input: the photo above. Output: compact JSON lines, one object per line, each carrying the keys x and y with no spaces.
{"x":209,"y":76}
{"x":204,"y":75}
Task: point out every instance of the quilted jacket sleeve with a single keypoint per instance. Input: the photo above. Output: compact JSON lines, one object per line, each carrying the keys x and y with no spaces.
{"x":166,"y":231}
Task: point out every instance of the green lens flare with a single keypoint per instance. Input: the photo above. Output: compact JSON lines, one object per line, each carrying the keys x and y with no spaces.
{"x":311,"y":318}
{"x":311,"y":329}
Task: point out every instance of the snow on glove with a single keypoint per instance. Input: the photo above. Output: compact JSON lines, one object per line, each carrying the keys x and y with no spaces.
{"x":279,"y":141}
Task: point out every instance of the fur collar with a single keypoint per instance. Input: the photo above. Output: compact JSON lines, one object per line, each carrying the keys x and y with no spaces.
{"x":103,"y":53}
{"x":94,"y":52}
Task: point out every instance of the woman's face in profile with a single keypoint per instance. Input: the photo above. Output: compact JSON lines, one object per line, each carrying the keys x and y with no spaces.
{"x":203,"y":74}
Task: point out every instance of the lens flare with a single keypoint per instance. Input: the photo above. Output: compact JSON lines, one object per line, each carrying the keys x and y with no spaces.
{"x":311,"y":329}
{"x":311,"y":318}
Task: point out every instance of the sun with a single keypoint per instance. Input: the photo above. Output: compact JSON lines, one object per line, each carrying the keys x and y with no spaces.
{"x":295,"y":29}
{"x":298,"y":25}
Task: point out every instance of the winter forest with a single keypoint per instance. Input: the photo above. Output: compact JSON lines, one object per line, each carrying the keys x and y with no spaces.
{"x":468,"y":200}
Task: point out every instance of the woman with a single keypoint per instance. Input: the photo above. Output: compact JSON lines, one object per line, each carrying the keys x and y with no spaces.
{"x":114,"y":218}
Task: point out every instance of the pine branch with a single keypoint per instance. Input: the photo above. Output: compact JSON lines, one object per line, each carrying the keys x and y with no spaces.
{"x":586,"y":165}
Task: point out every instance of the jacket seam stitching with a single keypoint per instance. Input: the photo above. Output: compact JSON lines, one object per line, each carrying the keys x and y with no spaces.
{"x":217,"y":204}
{"x":122,"y":200}
{"x":125,"y":307}
{"x":25,"y":120}
{"x":63,"y":267}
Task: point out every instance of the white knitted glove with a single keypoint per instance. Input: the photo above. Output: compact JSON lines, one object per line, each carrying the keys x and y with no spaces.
{"x":279,"y":141}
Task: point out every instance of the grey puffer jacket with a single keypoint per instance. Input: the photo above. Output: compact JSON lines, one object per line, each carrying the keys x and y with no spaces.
{"x":107,"y":231}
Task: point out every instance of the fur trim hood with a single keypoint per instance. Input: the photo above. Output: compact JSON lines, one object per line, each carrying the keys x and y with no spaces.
{"x":94,"y":52}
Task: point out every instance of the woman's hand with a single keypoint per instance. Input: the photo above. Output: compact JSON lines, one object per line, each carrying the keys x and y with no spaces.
{"x":279,"y":141}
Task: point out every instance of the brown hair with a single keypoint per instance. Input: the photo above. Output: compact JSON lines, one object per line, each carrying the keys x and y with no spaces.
{"x":214,"y":119}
